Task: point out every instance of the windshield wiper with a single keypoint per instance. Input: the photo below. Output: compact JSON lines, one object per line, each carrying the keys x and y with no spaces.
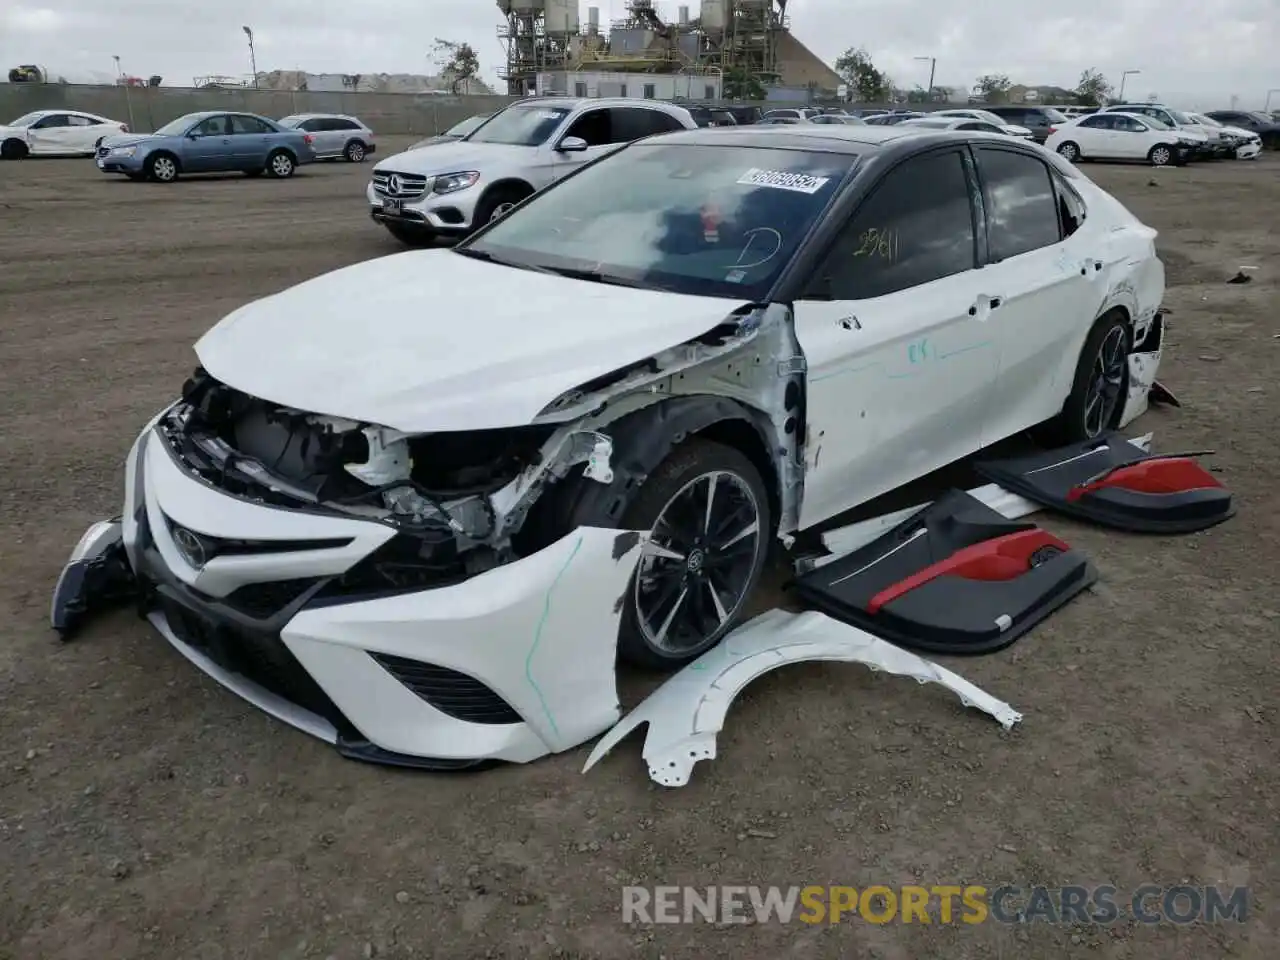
{"x":595,"y":276}
{"x":502,"y":261}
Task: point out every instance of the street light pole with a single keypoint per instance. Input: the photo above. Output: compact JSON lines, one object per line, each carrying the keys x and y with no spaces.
{"x":1266,"y":105}
{"x":253,"y":61}
{"x":128,"y":97}
{"x":1123,"y":77}
{"x":933,"y":66}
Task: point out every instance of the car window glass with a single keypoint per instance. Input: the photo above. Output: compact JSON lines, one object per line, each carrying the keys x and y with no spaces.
{"x":1071,"y":209}
{"x":77,"y":121}
{"x":52,"y":120}
{"x":594,"y":127}
{"x":1097,"y":122}
{"x":244,"y":125}
{"x":1022,"y":211}
{"x":915,"y":226}
{"x":213,"y":127}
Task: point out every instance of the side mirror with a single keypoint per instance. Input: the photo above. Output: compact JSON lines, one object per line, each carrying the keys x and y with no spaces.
{"x":193,"y":136}
{"x":571,"y":145}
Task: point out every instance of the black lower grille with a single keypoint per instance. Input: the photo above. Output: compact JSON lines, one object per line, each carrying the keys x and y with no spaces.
{"x":259,"y":656}
{"x":264,"y":600}
{"x":452,"y":693}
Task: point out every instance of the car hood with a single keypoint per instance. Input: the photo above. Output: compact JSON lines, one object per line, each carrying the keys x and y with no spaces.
{"x":449,"y":157}
{"x":430,"y":340}
{"x":12,"y":131}
{"x":1018,"y":131}
{"x":129,"y":139}
{"x":1229,"y":131}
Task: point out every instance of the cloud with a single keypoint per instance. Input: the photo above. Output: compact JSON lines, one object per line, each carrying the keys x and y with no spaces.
{"x":1199,"y":52}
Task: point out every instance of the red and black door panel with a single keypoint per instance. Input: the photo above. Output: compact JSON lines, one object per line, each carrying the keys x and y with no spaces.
{"x":955,"y":578}
{"x":1113,"y":483}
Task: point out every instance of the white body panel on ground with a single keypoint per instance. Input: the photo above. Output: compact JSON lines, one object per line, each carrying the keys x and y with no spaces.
{"x":685,"y":713}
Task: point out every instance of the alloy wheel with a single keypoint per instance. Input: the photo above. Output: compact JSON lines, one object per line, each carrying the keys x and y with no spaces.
{"x":1068,"y":151}
{"x":164,"y":169}
{"x":355,"y":153}
{"x":696,"y":569}
{"x":1160,"y":156}
{"x":1105,"y":383}
{"x":281,"y":165}
{"x":500,"y":211}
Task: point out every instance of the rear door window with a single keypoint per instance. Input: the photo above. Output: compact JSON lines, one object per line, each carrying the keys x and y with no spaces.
{"x":1022,"y":208}
{"x":241,"y":124}
{"x":633,"y":123}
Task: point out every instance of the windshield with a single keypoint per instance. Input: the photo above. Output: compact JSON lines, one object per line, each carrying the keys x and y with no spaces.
{"x":175,"y":128}
{"x":521,"y":125}
{"x":1055,"y":116}
{"x":1261,"y":117}
{"x":466,"y":126}
{"x":1154,"y":123}
{"x":694,"y":218}
{"x":26,"y":120}
{"x":292,"y":122}
{"x":1181,"y":117}
{"x":1207,"y":121}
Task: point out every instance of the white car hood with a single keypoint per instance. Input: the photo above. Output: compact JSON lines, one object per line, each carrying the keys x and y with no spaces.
{"x":430,"y":340}
{"x":436,"y":158}
{"x":13,"y":131}
{"x":1018,"y":131}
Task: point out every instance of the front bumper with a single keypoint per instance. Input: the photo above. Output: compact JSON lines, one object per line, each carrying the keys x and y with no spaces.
{"x":448,"y":215}
{"x":1248,"y":150}
{"x":509,"y":665}
{"x":119,"y":163}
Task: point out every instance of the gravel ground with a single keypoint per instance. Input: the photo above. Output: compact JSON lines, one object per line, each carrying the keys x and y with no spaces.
{"x":146,"y":812}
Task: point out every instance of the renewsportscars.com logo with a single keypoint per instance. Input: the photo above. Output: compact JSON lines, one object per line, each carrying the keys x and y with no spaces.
{"x":1149,"y":903}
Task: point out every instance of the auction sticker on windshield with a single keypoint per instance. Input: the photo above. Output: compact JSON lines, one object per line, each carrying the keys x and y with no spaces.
{"x":781,"y":180}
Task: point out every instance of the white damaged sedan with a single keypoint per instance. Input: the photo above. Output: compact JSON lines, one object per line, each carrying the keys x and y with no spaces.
{"x":427,"y":534}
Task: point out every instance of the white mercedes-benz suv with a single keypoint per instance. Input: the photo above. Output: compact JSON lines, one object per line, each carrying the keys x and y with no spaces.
{"x":445,"y":191}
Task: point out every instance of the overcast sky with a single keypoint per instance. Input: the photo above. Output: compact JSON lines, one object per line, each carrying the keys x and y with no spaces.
{"x":1195,"y":52}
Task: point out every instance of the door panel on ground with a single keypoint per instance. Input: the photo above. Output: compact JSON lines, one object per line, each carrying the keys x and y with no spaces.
{"x":901,"y":358}
{"x":1046,"y":284}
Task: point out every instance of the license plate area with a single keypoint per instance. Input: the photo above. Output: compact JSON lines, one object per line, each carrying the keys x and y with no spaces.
{"x":392,"y":208}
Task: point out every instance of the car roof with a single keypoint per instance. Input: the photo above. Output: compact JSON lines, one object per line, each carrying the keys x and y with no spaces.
{"x":322,"y":116}
{"x":575,"y":102}
{"x":822,"y":137}
{"x":70,"y":110}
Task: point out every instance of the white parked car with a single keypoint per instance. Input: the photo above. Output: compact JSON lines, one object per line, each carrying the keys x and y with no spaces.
{"x":1209,"y":142}
{"x":1012,"y":129}
{"x":426,"y":537}
{"x":335,"y":136}
{"x":445,"y":191}
{"x":56,"y":133}
{"x":953,"y":123}
{"x":1244,"y":144}
{"x":1122,"y":136}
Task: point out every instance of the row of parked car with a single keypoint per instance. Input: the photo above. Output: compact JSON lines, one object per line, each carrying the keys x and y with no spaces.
{"x":445,"y":187}
{"x":206,"y":142}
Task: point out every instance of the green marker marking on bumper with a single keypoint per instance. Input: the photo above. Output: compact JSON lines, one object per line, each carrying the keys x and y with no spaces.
{"x":537,"y":635}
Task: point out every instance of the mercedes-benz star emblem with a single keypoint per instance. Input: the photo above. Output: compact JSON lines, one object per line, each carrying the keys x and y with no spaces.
{"x":394,"y":183}
{"x":190,"y":546}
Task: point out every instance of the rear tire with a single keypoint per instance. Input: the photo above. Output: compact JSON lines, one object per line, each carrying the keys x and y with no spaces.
{"x":1099,"y":388}
{"x":13,"y":149}
{"x":355,"y":152}
{"x":677,"y":609}
{"x":280,"y":165}
{"x":1069,"y":151}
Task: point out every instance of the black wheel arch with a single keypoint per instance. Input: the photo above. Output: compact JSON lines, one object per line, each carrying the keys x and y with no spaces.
{"x":507,"y":183}
{"x":641,"y":441}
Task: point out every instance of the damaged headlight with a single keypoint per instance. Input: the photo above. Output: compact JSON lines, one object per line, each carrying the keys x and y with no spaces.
{"x":471,"y":517}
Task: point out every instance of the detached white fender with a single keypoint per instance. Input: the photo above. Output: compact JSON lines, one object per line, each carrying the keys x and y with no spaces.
{"x":685,"y":713}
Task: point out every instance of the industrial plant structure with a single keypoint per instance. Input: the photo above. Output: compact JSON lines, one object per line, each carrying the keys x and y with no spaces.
{"x":550,"y":51}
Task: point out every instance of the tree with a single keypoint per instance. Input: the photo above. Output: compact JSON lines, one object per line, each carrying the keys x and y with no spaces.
{"x":1093,"y":89}
{"x":993,"y":87}
{"x":866,"y":82}
{"x":459,"y":64}
{"x":741,"y":84}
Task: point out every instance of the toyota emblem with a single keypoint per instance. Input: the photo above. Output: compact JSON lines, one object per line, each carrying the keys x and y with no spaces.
{"x":190,"y":546}
{"x":394,"y":183}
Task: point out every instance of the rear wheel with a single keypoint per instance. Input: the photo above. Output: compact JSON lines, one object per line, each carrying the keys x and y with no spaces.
{"x":1069,"y":151}
{"x":355,"y":152}
{"x":1098,"y":391}
{"x":708,"y":514}
{"x":13,"y":149}
{"x":281,"y":165}
{"x":162,"y":168}
{"x":1160,"y":155}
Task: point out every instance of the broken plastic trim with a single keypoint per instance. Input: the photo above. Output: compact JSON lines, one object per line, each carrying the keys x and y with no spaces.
{"x":685,"y":713}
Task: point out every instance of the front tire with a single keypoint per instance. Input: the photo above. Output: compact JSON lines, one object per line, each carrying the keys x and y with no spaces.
{"x":13,"y":149}
{"x":1160,"y":155}
{"x":708,"y":513}
{"x":1099,"y":388}
{"x":495,"y":204}
{"x":1069,"y":151}
{"x":162,"y":168}
{"x":281,"y":165}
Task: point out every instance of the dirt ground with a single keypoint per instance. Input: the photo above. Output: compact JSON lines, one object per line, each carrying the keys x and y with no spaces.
{"x":147,"y":813}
